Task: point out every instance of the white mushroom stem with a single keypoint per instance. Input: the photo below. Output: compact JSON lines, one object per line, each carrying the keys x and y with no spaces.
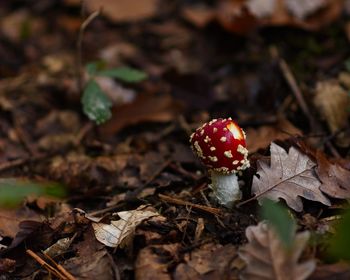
{"x":225,"y":188}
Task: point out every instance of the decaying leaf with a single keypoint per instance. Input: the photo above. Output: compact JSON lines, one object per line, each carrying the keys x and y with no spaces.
{"x":153,"y":261}
{"x":261,"y":137}
{"x":10,"y":219}
{"x":92,"y":260}
{"x":145,"y":108}
{"x":339,"y":271}
{"x":120,"y":232}
{"x":290,"y":176}
{"x":210,"y":261}
{"x":59,"y":247}
{"x":267,"y":258}
{"x":121,"y":10}
{"x":243,"y":16}
{"x":335,"y":179}
{"x":333,"y":103}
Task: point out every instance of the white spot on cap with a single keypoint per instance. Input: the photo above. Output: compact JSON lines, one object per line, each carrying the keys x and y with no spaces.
{"x":213,"y":159}
{"x":212,"y":148}
{"x":213,"y":121}
{"x":235,"y":162}
{"x":223,"y":139}
{"x":201,"y":131}
{"x":198,"y":149}
{"x":215,"y":130}
{"x":207,"y":139}
{"x":228,"y":154}
{"x":242,"y":150}
{"x":191,"y":137}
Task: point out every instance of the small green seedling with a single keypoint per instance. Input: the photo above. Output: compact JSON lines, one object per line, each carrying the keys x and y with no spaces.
{"x":96,"y":104}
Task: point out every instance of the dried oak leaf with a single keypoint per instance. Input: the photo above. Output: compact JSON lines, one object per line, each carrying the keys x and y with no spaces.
{"x":335,"y":179}
{"x":267,"y":258}
{"x":289,"y":176}
{"x":119,"y":233}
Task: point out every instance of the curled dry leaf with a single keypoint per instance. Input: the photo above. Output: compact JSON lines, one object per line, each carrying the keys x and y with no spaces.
{"x":267,"y":258}
{"x":335,"y":179}
{"x":120,"y":232}
{"x":60,"y":247}
{"x":289,"y":176}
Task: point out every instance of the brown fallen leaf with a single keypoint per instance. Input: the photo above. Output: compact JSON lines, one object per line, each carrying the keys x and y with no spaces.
{"x":92,"y":261}
{"x":335,"y":179}
{"x":6,"y":265}
{"x":199,"y":15}
{"x":121,"y":10}
{"x":267,"y":258}
{"x":210,"y":261}
{"x":10,"y":219}
{"x":289,"y":176}
{"x":333,"y":103}
{"x":261,"y":137}
{"x":153,"y":261}
{"x":243,"y":16}
{"x":338,"y":271}
{"x":145,"y":108}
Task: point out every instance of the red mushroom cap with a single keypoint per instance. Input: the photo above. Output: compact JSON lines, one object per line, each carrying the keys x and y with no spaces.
{"x":221,"y":146}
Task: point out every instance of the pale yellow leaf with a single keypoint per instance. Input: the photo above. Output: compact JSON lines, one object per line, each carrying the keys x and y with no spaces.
{"x":119,"y":232}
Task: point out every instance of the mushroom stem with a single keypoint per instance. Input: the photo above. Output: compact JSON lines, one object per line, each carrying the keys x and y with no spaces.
{"x":225,"y":188}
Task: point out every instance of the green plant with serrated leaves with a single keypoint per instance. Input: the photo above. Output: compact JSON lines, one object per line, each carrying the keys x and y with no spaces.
{"x":96,"y":104}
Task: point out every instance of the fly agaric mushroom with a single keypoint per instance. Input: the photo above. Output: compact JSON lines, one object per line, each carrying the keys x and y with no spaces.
{"x":220,"y":144}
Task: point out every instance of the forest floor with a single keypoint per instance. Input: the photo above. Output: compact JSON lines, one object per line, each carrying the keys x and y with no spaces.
{"x":136,"y":202}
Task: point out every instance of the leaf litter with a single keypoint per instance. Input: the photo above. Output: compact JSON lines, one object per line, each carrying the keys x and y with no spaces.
{"x":141,"y":156}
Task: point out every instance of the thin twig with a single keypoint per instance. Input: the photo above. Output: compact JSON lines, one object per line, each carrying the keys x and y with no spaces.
{"x":290,"y":79}
{"x":46,"y":265}
{"x":79,"y":56}
{"x":61,"y":268}
{"x":177,"y":201}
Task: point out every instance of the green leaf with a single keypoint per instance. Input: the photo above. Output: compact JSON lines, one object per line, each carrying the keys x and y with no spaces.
{"x":13,"y":191}
{"x":96,"y":104}
{"x":93,"y":67}
{"x":340,"y":242}
{"x":125,"y":74}
{"x":280,"y":219}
